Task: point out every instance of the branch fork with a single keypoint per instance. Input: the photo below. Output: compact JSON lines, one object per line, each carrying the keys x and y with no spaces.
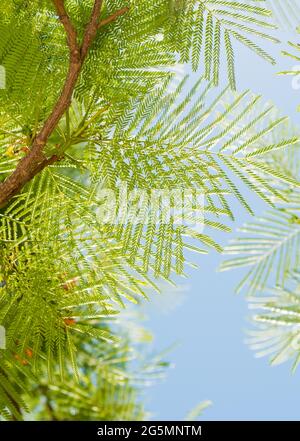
{"x":35,"y":161}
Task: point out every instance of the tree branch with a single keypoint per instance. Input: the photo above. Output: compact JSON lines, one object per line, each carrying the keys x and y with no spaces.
{"x":69,"y":28}
{"x":113,"y":16}
{"x":35,"y":161}
{"x":91,"y":29}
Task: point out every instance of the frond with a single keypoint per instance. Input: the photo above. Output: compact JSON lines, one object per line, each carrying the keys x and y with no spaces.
{"x":12,"y":386}
{"x":286,"y":12}
{"x":277,"y":323}
{"x":269,"y":246}
{"x":43,"y":314}
{"x":295,"y":55}
{"x":159,"y":143}
{"x":197,"y":412}
{"x":203,"y":29}
{"x":166,"y":144}
{"x":111,"y":378}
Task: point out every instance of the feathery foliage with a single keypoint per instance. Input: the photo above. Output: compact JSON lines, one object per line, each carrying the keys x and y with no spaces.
{"x":119,"y":126}
{"x":286,"y":12}
{"x":111,"y":379}
{"x":269,"y":246}
{"x":277,"y":323}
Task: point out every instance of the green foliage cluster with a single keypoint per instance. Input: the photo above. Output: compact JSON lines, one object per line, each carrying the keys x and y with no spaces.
{"x":65,"y":275}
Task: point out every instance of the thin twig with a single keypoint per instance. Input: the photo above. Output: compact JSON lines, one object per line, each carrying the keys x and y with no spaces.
{"x":113,"y":17}
{"x":91,"y":29}
{"x":69,"y":28}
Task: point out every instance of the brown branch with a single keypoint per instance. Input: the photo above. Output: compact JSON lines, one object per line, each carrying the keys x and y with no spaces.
{"x":69,"y":28}
{"x":113,"y":16}
{"x":35,"y":161}
{"x":91,"y":29}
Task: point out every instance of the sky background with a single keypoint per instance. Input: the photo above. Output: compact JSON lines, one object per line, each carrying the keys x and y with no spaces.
{"x":207,"y":320}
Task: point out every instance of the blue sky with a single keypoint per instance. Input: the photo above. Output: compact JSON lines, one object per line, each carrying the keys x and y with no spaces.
{"x":208,"y":320}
